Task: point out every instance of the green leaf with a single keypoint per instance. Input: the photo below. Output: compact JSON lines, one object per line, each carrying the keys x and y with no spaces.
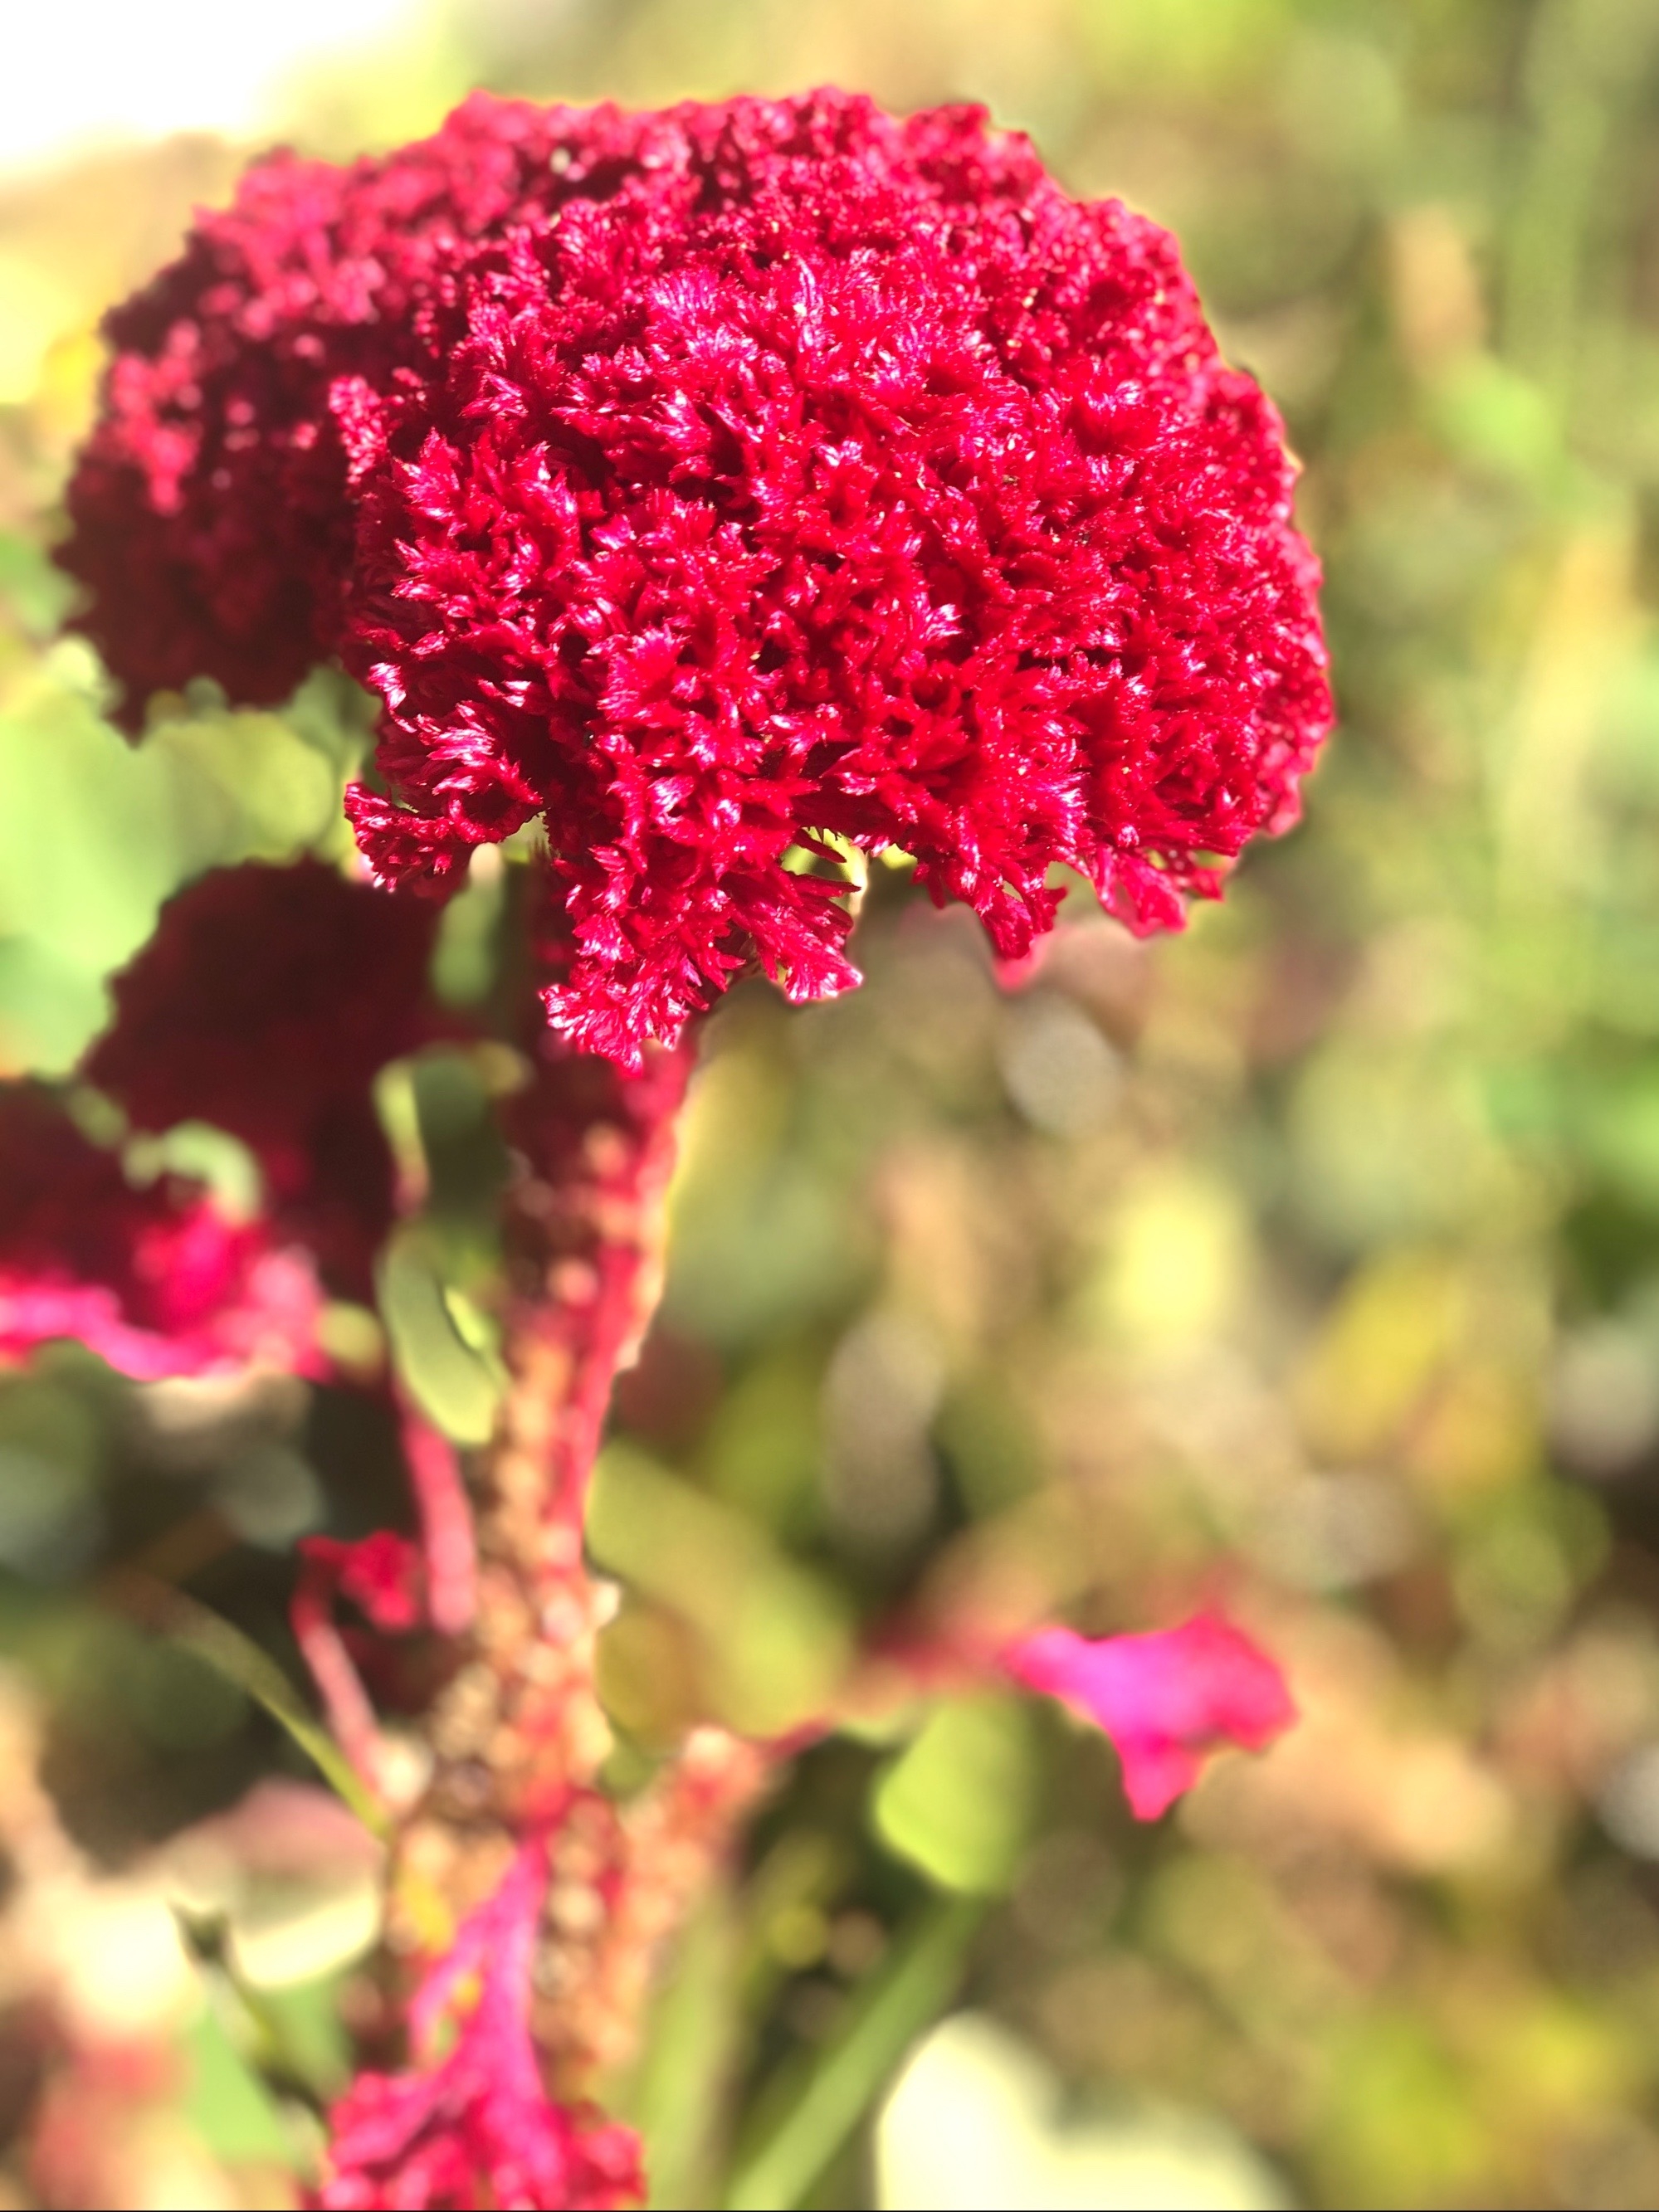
{"x":30,"y":588}
{"x":957,"y":1802}
{"x":233,"y":2110}
{"x":219,"y":1645}
{"x":677,"y":2098}
{"x":457,"y":1386}
{"x":773,"y":1637}
{"x":844,"y":2078}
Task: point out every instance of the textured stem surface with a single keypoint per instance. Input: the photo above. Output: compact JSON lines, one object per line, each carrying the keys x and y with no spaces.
{"x":517,"y":1736}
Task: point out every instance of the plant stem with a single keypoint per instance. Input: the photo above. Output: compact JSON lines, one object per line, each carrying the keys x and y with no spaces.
{"x":517,"y":1737}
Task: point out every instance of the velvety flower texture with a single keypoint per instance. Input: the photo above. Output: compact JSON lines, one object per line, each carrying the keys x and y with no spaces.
{"x":1164,"y":1699}
{"x":266,"y":1003}
{"x":155,"y":1280}
{"x":478,"y":2129}
{"x":211,"y":527}
{"x":729,"y":487}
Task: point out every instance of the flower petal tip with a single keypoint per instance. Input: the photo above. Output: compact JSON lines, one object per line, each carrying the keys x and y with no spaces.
{"x":1163,"y":1698}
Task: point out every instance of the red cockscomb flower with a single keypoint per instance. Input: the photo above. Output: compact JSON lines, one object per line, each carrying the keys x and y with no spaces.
{"x":266,"y":1003}
{"x":833,"y":476}
{"x":155,"y":1280}
{"x":727,"y":482}
{"x":478,"y":2129}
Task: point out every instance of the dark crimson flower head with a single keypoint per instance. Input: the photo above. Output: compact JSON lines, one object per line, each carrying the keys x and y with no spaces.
{"x":211,"y":527}
{"x":266,"y":1003}
{"x":730,"y":488}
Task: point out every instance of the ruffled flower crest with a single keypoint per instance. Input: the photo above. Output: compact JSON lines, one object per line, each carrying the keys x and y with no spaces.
{"x":733,"y":488}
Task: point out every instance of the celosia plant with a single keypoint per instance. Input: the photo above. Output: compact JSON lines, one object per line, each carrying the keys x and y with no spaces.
{"x":740,"y":492}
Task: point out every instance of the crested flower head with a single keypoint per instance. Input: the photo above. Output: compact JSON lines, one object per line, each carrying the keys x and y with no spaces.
{"x":739,"y":489}
{"x":211,"y":526}
{"x":266,"y":1003}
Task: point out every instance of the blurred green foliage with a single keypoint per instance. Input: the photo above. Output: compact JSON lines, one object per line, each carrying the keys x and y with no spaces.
{"x":1312,"y":1257}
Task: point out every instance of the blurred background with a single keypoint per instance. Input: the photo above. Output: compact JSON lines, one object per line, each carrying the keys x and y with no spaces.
{"x":1309,"y":1261}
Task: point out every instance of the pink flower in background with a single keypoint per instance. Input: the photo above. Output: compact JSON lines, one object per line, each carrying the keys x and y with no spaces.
{"x":1164,"y":1699}
{"x":266,"y":1003}
{"x":155,"y":1279}
{"x":728,"y":487}
{"x":478,"y":2129}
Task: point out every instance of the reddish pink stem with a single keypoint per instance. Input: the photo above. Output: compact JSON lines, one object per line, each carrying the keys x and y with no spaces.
{"x":346,"y":1702}
{"x":447,"y":1541}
